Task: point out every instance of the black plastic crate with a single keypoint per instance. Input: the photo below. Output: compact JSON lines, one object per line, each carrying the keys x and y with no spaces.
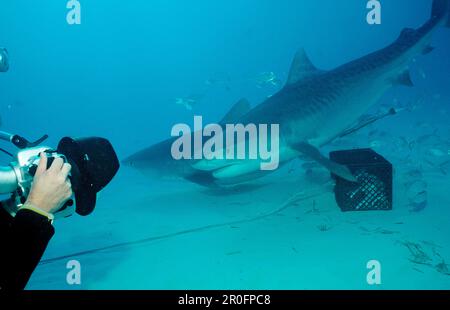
{"x":374,"y":173}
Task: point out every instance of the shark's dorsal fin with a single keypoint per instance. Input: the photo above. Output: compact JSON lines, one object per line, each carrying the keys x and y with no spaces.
{"x":404,"y":79}
{"x":238,"y":110}
{"x":301,"y":68}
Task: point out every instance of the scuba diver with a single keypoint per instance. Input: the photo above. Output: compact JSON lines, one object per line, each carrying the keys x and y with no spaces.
{"x":43,"y":185}
{"x":24,"y":238}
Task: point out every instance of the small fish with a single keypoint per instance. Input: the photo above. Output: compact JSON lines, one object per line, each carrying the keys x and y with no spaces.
{"x":437,"y":96}
{"x":417,"y":207}
{"x":267,"y":79}
{"x":443,"y":268}
{"x":445,"y":167}
{"x":417,"y":195}
{"x":417,"y":186}
{"x":211,"y":81}
{"x":310,"y":165}
{"x":189,"y":102}
{"x":422,"y":74}
{"x":418,"y":270}
{"x":225,"y":82}
{"x":234,"y":253}
{"x":376,"y":144}
{"x":422,"y":125}
{"x":420,"y":198}
{"x":427,"y":138}
{"x":373,"y":133}
{"x":437,"y":152}
{"x":414,"y":174}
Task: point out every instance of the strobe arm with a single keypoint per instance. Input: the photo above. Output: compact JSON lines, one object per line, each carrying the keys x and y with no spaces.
{"x":19,"y":141}
{"x":6,"y":136}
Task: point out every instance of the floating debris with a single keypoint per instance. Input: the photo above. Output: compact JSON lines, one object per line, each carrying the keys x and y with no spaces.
{"x":418,"y":255}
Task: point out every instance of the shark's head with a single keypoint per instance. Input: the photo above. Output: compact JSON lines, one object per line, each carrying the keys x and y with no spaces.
{"x":156,"y":161}
{"x":146,"y":161}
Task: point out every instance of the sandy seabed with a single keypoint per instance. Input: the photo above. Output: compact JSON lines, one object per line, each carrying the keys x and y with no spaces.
{"x":283,"y":232}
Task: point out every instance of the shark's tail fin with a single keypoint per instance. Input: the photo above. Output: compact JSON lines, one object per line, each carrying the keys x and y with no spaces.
{"x":441,"y":10}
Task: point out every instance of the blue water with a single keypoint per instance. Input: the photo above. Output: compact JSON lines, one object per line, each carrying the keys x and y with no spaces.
{"x":118,"y":75}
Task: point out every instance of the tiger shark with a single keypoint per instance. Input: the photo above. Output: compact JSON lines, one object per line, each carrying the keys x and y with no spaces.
{"x":312,"y":109}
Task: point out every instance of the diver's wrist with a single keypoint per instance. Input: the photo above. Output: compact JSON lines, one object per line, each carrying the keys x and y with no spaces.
{"x":32,"y":207}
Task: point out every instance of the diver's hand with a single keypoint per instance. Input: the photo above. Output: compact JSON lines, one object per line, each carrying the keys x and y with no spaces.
{"x":51,"y":187}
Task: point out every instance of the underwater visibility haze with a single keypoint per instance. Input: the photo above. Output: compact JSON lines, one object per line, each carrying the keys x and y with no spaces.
{"x":363,"y":140}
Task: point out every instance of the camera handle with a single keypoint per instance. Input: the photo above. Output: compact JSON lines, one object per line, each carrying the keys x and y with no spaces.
{"x":8,"y":180}
{"x":19,"y":141}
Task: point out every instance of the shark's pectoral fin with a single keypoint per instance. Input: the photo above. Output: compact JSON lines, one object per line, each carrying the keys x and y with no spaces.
{"x":238,"y":110}
{"x":215,"y":173}
{"x":203,"y":178}
{"x":404,"y":79}
{"x":313,"y":153}
{"x":237,"y":170}
{"x":301,"y":68}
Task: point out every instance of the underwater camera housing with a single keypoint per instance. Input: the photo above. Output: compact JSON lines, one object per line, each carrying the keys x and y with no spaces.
{"x":94,"y":164}
{"x":373,"y":191}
